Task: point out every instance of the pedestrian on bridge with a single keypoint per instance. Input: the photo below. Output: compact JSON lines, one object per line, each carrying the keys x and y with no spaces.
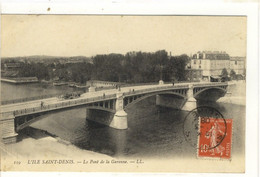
{"x":42,"y":104}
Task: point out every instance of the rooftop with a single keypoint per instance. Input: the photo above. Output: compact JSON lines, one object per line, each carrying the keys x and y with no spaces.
{"x":211,"y":55}
{"x":212,"y":52}
{"x":237,"y":58}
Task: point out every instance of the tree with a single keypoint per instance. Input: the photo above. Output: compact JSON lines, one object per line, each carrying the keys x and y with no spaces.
{"x":133,"y":67}
{"x":232,"y":74}
{"x":175,"y":69}
{"x":224,"y":75}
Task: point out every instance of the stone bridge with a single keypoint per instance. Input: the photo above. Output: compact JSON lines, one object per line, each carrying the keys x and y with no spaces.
{"x":107,"y":106}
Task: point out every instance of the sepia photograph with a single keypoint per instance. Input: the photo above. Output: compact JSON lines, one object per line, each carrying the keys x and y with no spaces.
{"x":123,"y":93}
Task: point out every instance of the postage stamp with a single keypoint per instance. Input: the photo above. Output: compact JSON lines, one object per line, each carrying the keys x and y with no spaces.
{"x":208,"y":132}
{"x":215,"y":136}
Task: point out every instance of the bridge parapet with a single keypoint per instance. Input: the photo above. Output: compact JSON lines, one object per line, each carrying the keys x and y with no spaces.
{"x":211,"y":84}
{"x":155,"y":89}
{"x":63,"y":104}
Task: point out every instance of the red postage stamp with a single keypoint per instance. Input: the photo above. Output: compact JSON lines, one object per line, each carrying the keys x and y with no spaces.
{"x":215,"y":136}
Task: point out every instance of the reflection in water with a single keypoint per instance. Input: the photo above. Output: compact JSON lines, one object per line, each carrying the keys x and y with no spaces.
{"x":119,"y":139}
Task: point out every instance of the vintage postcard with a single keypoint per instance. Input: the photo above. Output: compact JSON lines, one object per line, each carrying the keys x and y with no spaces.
{"x":123,"y":93}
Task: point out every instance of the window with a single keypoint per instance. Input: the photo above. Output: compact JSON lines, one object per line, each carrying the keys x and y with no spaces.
{"x":194,"y":61}
{"x":235,"y":62}
{"x":200,"y":61}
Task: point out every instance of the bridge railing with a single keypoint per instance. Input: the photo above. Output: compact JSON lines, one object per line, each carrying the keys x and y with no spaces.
{"x":63,"y":104}
{"x":160,"y":88}
{"x":123,"y":85}
{"x":210,"y":84}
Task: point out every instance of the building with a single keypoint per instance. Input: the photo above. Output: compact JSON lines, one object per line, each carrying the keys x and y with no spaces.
{"x":212,"y":64}
{"x":194,"y":74}
{"x":238,"y":65}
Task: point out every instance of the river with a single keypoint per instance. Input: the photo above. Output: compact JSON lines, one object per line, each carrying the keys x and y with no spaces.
{"x":153,"y":132}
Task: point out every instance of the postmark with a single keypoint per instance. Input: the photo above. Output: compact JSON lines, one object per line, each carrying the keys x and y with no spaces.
{"x":208,"y":132}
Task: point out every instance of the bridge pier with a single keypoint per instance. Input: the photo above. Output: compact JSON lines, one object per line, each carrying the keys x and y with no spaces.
{"x":8,"y":133}
{"x":191,"y":102}
{"x":120,"y":118}
{"x":117,"y":120}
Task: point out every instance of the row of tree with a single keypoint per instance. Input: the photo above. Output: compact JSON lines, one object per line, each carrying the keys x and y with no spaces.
{"x":231,"y":76}
{"x":139,"y":67}
{"x":133,"y":67}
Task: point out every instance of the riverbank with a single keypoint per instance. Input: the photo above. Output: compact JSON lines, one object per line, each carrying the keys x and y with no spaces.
{"x":236,"y":94}
{"x":42,"y":144}
{"x":20,"y":80}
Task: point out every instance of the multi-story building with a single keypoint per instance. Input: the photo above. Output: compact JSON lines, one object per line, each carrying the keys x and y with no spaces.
{"x":212,"y":63}
{"x":194,"y":74}
{"x":238,"y":64}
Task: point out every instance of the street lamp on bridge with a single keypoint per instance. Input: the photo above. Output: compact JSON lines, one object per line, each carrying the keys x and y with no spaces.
{"x":161,"y":75}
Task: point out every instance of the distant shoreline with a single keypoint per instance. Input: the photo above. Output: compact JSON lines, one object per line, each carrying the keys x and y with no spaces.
{"x":20,"y":80}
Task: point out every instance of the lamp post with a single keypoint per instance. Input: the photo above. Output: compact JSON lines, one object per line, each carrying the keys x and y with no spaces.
{"x":161,"y":80}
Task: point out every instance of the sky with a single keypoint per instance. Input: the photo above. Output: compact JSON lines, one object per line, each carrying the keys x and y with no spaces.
{"x":88,"y":35}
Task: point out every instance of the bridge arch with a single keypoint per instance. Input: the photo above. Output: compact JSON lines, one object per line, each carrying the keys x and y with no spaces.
{"x":101,"y":108}
{"x":209,"y":93}
{"x":142,"y":97}
{"x":23,"y":121}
